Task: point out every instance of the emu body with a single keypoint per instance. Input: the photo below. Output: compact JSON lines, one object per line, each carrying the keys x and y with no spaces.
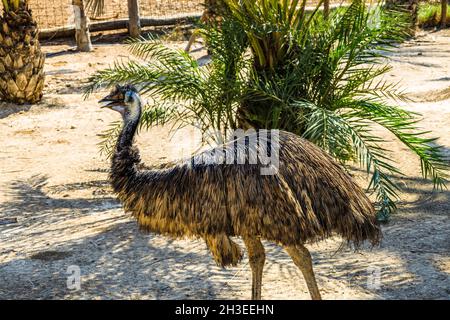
{"x":309,"y":198}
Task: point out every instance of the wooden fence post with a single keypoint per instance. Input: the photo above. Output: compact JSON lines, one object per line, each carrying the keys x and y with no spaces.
{"x":443,"y":13}
{"x":326,"y":9}
{"x":134,"y":25}
{"x":82,"y":36}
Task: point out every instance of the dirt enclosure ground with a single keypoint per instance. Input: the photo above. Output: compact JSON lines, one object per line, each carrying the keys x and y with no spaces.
{"x":57,"y":210}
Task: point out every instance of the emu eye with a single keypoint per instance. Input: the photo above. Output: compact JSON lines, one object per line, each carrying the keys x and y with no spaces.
{"x":128,"y":97}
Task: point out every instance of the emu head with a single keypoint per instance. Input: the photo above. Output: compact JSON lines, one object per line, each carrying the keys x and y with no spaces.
{"x":125,"y":100}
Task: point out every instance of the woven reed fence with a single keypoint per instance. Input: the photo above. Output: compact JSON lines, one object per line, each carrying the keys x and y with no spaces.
{"x":57,"y":16}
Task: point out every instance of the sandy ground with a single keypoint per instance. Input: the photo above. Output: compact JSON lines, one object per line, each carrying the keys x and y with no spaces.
{"x":61,"y":213}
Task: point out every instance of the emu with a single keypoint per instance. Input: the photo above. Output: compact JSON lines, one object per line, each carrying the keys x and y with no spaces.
{"x":309,"y":198}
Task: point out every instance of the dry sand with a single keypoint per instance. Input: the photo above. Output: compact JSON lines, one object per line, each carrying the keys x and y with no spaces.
{"x":53,"y":181}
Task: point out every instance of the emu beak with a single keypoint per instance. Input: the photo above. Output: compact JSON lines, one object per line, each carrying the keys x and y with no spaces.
{"x":113,"y":102}
{"x":108,"y":101}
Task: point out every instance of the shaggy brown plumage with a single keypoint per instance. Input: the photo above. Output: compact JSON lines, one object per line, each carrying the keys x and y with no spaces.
{"x":310,"y":197}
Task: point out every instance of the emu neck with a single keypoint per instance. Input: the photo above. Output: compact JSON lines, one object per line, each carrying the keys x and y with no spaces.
{"x":126,"y":136}
{"x":125,"y":158}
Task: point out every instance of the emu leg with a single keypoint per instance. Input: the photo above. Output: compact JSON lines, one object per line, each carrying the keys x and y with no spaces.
{"x":256,"y":257}
{"x":302,"y":259}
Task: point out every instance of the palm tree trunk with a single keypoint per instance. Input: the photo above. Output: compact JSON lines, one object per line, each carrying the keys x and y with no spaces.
{"x":82,"y":35}
{"x":21,"y":58}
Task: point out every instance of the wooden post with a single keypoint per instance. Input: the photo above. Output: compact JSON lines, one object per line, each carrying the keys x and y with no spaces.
{"x":82,"y":35}
{"x":443,"y":13}
{"x":326,"y":9}
{"x":134,"y":25}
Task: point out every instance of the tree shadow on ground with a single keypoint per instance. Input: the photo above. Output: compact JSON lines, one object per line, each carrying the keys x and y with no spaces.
{"x":7,"y":109}
{"x":28,"y":197}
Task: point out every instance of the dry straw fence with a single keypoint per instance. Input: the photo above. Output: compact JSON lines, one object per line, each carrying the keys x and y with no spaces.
{"x":56,"y":17}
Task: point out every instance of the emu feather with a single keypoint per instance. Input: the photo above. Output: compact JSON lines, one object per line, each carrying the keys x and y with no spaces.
{"x":308,"y":198}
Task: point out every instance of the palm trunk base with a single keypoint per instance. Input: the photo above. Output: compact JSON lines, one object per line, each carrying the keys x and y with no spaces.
{"x":21,"y":58}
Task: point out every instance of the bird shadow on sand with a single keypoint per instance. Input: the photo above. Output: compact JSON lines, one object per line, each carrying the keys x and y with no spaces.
{"x":28,"y":197}
{"x":120,"y":262}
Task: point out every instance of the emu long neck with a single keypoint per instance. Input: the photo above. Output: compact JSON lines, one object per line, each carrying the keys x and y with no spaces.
{"x":125,"y":158}
{"x":131,"y":122}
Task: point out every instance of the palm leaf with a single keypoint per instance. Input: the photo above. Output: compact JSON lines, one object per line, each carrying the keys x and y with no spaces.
{"x":96,"y":7}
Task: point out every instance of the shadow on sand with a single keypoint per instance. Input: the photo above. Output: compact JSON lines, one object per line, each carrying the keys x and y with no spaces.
{"x":121,"y":262}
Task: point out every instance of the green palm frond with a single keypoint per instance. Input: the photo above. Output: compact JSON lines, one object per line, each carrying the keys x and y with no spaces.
{"x":96,"y":7}
{"x":109,"y":137}
{"x":5,"y":5}
{"x":403,"y":125}
{"x":191,"y":94}
{"x":336,"y":132}
{"x":153,"y":114}
{"x":270,"y":26}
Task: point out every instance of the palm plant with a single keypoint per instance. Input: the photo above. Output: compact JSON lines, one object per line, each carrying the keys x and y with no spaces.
{"x":179,"y":89}
{"x":275,"y":30}
{"x":409,"y":6}
{"x":21,"y":58}
{"x":323,"y":81}
{"x":274,"y":65}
